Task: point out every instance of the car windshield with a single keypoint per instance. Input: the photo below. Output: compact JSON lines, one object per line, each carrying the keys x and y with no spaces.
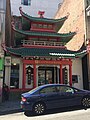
{"x":34,"y":90}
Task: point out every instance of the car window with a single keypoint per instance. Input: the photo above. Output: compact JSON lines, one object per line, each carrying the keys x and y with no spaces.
{"x":69,"y":89}
{"x":48,"y":90}
{"x":65,"y":89}
{"x":60,"y":89}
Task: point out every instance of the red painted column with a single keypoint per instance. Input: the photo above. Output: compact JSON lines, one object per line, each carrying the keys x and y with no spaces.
{"x":24,"y":76}
{"x":61,"y":78}
{"x":34,"y":78}
{"x":70,"y":75}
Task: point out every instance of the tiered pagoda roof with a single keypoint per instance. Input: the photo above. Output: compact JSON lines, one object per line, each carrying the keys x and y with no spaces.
{"x":65,"y":37}
{"x":45,"y":52}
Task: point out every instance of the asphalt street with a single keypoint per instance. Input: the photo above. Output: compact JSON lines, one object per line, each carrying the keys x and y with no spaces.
{"x":69,"y":115}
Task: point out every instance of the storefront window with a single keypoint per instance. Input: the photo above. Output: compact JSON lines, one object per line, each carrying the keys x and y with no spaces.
{"x":41,"y":77}
{"x":44,"y":77}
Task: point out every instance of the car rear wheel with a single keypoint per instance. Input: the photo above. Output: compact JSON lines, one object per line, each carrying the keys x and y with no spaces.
{"x":39,"y":108}
{"x":86,"y":102}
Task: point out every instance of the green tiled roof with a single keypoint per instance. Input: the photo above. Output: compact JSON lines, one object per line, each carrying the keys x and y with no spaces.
{"x":38,"y":19}
{"x":73,"y":54}
{"x":65,"y":37}
{"x":45,"y":52}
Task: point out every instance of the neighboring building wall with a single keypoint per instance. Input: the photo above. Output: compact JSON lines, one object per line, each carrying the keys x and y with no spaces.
{"x":77,"y":70}
{"x":18,"y":23}
{"x":75,"y":22}
{"x":2,"y":21}
{"x":87,"y":6}
{"x":88,"y":27}
{"x":49,"y":6}
{"x":2,"y":40}
{"x":8,"y":24}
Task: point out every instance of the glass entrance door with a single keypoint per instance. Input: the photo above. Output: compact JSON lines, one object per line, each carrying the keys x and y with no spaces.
{"x":45,"y":76}
{"x":41,"y":77}
{"x":49,"y":76}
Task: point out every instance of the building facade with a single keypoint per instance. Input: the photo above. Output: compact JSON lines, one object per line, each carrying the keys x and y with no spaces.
{"x":39,"y":55}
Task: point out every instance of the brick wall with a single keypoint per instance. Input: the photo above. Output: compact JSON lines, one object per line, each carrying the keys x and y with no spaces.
{"x":75,"y":20}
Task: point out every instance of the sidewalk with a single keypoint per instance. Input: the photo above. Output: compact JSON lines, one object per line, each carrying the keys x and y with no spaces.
{"x":8,"y":107}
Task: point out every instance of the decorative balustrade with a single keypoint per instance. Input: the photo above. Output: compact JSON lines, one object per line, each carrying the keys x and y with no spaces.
{"x":44,"y":43}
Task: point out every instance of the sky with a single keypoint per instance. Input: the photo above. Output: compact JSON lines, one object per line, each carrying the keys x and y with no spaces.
{"x":49,"y":6}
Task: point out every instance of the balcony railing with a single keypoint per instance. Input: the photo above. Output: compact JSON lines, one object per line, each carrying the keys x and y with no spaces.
{"x":44,"y":43}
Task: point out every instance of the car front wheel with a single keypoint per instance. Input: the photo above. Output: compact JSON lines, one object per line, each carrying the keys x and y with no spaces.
{"x":39,"y":108}
{"x":86,"y":102}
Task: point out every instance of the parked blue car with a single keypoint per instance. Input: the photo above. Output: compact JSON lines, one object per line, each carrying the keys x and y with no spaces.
{"x":51,"y":96}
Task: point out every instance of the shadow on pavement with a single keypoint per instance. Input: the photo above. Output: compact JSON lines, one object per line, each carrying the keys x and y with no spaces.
{"x":10,"y":112}
{"x":9,"y":107}
{"x":53,"y":111}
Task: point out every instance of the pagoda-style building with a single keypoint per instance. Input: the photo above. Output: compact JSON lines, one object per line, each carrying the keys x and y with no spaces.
{"x":38,"y":55}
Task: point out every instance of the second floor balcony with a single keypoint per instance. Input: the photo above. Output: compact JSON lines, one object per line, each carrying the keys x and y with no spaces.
{"x":41,"y":43}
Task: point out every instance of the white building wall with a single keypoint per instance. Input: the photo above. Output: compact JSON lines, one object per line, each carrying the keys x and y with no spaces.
{"x":8,"y":71}
{"x":49,"y":6}
{"x":77,"y":70}
{"x":7,"y":75}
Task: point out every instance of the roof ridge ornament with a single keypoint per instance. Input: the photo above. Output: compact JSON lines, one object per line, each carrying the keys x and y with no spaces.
{"x":41,"y":13}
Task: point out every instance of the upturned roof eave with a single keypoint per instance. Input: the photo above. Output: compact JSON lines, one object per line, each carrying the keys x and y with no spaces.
{"x":45,"y":20}
{"x":50,"y":34}
{"x":73,"y":55}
